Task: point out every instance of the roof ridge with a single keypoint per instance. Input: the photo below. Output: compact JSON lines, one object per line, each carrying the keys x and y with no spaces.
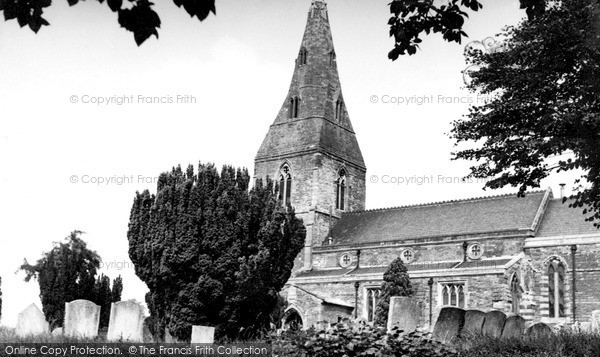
{"x":445,"y":202}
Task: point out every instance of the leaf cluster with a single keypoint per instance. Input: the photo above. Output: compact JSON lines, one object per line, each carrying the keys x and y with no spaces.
{"x":545,"y":103}
{"x":356,"y":340}
{"x":137,"y":16}
{"x":411,"y":18}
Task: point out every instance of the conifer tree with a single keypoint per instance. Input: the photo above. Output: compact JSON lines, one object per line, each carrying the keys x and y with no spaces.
{"x":117,"y":289}
{"x":396,"y":282}
{"x":65,"y":273}
{"x":210,"y":251}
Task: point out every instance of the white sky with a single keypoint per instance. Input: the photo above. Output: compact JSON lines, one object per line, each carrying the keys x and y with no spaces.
{"x":238,"y":66}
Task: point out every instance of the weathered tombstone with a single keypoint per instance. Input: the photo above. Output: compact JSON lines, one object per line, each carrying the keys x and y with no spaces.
{"x":449,"y":324}
{"x":494,"y":323}
{"x":81,"y":318}
{"x":31,"y":321}
{"x":595,"y":321}
{"x":57,"y":331}
{"x":474,"y":322}
{"x":539,"y":330}
{"x":203,"y":334}
{"x":126,"y":321}
{"x":404,"y":313}
{"x":149,"y":331}
{"x":513,"y":327}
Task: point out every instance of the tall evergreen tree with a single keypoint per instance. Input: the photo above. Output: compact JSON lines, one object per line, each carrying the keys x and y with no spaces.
{"x":65,"y":273}
{"x":117,"y":289}
{"x":103,"y":298}
{"x":396,"y":282}
{"x":212,"y":252}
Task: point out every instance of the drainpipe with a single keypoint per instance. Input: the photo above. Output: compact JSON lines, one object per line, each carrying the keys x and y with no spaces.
{"x":430,"y":283}
{"x":574,"y":267}
{"x":465,"y":246}
{"x":356,"y":285}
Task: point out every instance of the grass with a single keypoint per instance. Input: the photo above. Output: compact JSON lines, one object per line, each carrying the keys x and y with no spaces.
{"x":563,"y":344}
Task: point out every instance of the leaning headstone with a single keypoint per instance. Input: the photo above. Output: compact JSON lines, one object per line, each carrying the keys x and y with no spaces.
{"x":539,"y":330}
{"x":57,"y":331}
{"x":31,"y":322}
{"x":474,"y":322}
{"x":595,"y":321}
{"x":404,"y":313}
{"x":494,"y":324}
{"x":81,"y":318}
{"x":513,"y":327}
{"x":449,"y":324}
{"x":126,"y":321}
{"x":203,"y":334}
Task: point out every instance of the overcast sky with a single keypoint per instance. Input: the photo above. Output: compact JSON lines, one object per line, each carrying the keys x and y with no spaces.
{"x":237,"y":66}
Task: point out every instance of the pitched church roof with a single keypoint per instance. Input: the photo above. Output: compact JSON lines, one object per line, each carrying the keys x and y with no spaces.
{"x":562,"y":220}
{"x":313,"y":117}
{"x":485,"y":215}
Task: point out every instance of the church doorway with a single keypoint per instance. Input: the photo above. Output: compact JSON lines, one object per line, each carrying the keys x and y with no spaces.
{"x":292,"y":320}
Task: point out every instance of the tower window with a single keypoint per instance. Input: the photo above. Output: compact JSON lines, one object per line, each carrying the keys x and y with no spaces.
{"x":285,"y":185}
{"x":341,"y":190}
{"x":303,"y":56}
{"x":332,"y":58}
{"x":556,"y":288}
{"x":339,"y":109}
{"x":294,"y":107}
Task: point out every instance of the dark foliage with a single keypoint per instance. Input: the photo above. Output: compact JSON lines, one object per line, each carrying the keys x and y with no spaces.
{"x":544,"y":91}
{"x":66,"y":273}
{"x":136,"y":16}
{"x":411,"y":18}
{"x":351,"y":341}
{"x":210,"y":252}
{"x":104,"y":296}
{"x":396,"y":282}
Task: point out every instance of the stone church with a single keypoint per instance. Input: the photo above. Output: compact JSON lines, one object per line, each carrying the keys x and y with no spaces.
{"x":531,"y":256}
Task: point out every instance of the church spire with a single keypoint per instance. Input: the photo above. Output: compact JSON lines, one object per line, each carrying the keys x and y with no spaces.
{"x":314,"y":103}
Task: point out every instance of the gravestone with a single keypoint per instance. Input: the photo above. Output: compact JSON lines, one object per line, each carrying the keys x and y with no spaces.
{"x":81,"y":318}
{"x":494,"y":323}
{"x":149,"y":330}
{"x":539,"y":330}
{"x":126,"y":321}
{"x":449,"y":324}
{"x":513,"y":327}
{"x":404,"y":313}
{"x":203,"y":334}
{"x":474,"y":322}
{"x":57,"y":331}
{"x":595,"y":321}
{"x":31,"y":322}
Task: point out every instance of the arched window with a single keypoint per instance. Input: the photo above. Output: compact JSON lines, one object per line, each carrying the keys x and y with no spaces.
{"x":515,"y":292}
{"x":339,"y":109}
{"x":340,"y":193}
{"x":294,"y":105}
{"x":292,"y":320}
{"x":371,"y":300}
{"x":303,"y":56}
{"x":332,"y":58}
{"x":285,"y":185}
{"x":556,"y":288}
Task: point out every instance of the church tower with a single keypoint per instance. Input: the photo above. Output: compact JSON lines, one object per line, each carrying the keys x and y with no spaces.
{"x":310,"y":150}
